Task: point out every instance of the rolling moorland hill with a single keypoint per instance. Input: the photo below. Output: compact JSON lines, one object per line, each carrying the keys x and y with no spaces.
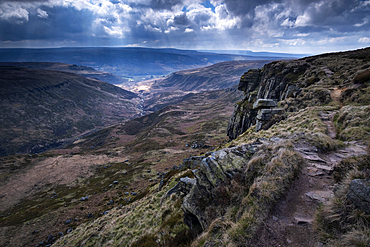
{"x":171,"y":179}
{"x":125,"y":61}
{"x":79,"y":70}
{"x":180,"y":85}
{"x":42,"y":109}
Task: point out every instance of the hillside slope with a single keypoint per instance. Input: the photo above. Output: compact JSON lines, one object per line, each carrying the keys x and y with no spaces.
{"x":214,"y":77}
{"x":137,"y":153}
{"x":267,"y":188}
{"x":40,"y":109}
{"x":75,"y":69}
{"x":178,"y":86}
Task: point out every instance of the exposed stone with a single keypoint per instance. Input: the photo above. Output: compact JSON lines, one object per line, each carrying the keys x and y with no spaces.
{"x":320,"y":196}
{"x":293,"y":91}
{"x":265,"y":115}
{"x":250,"y":80}
{"x":184,"y":185}
{"x":359,"y":194}
{"x":264,"y":103}
{"x":274,"y":82}
{"x":84,"y":198}
{"x":69,"y":221}
{"x":89,"y":216}
{"x":192,"y":162}
{"x":217,"y":168}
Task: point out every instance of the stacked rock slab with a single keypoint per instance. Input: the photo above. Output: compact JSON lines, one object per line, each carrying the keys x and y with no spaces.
{"x":267,"y":108}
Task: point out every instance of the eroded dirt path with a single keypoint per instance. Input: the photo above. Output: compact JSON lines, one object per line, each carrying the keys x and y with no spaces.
{"x":290,"y":222}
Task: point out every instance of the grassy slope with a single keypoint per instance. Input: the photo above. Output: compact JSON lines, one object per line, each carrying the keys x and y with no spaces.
{"x":41,"y":108}
{"x":155,"y":142}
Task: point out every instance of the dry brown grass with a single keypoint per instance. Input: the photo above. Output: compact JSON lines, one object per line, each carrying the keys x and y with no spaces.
{"x":152,"y":219}
{"x":353,"y":123}
{"x":339,"y":222}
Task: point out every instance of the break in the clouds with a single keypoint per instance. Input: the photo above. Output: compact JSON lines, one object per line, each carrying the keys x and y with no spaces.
{"x":301,"y":26}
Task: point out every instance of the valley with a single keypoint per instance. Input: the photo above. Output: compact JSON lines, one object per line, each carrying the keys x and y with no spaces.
{"x":177,"y":160}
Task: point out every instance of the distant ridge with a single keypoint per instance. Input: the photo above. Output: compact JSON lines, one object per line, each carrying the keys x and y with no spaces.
{"x":257,"y":54}
{"x":40,"y":109}
{"x":126,"y":61}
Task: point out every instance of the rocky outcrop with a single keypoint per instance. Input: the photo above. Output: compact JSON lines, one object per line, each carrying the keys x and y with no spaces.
{"x":215,"y":170}
{"x":267,"y":109}
{"x":359,"y":194}
{"x":275,"y":81}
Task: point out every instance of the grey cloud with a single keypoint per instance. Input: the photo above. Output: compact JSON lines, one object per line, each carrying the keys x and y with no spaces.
{"x":61,"y":23}
{"x":182,"y":20}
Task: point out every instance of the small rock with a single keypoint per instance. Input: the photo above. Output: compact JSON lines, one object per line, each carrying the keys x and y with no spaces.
{"x":111,"y":202}
{"x":60,"y":234}
{"x":274,"y":218}
{"x":115,"y":182}
{"x":69,"y":221}
{"x":35,"y":232}
{"x":50,"y":239}
{"x":133,"y":193}
{"x":90,"y":215}
{"x":69,"y":230}
{"x":84,"y":198}
{"x":161,"y":183}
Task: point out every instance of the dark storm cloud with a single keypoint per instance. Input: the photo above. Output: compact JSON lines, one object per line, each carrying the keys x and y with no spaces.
{"x":164,"y":4}
{"x":261,"y":23}
{"x":181,"y":20}
{"x":243,"y":7}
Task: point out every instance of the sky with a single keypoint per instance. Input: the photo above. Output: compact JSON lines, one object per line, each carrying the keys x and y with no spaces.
{"x":292,"y":26}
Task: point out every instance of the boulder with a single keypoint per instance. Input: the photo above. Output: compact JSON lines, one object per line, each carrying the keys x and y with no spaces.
{"x":216,"y":169}
{"x":359,"y":194}
{"x":265,"y":115}
{"x":264,"y":103}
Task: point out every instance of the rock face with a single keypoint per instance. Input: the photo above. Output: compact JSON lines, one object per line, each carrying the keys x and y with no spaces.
{"x":215,"y":170}
{"x":359,"y":194}
{"x":267,"y":109}
{"x":264,"y":87}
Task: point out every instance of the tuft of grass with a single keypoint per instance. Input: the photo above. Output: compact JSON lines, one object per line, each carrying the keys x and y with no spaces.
{"x":339,"y":222}
{"x":146,"y":241}
{"x":352,"y":123}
